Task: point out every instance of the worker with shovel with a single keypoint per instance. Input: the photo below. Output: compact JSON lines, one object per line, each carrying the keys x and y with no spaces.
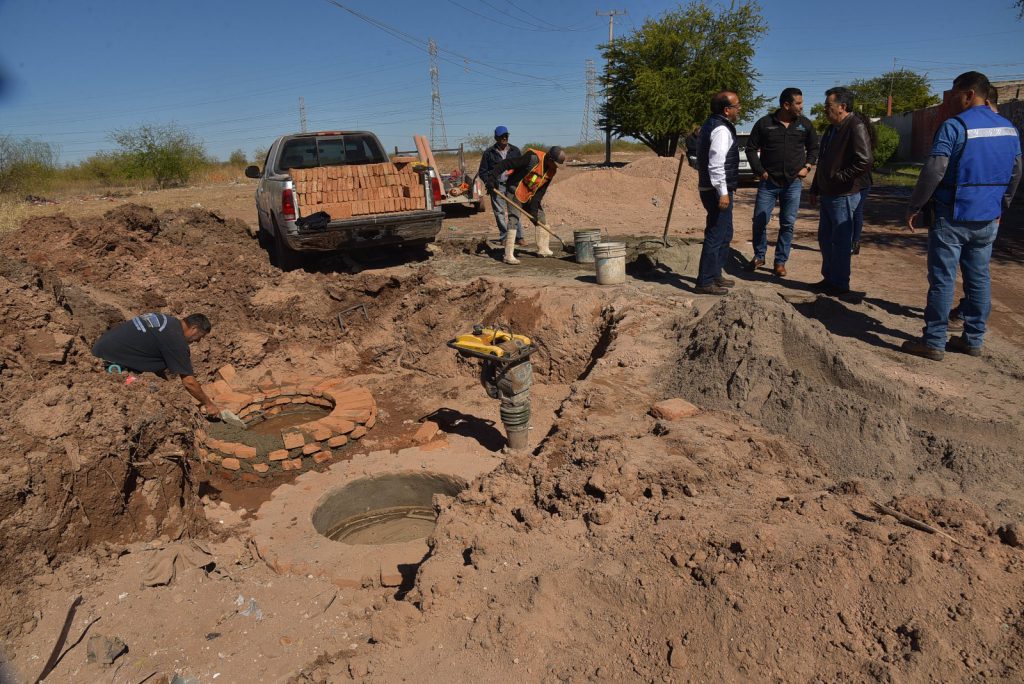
{"x":157,"y":343}
{"x":529,"y":179}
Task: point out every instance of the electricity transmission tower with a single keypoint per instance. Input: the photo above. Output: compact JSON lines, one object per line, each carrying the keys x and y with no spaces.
{"x":438,"y":136}
{"x":588,"y":129}
{"x":302,"y":114}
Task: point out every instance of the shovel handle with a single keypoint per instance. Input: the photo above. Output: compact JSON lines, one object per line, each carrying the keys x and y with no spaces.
{"x":529,"y":215}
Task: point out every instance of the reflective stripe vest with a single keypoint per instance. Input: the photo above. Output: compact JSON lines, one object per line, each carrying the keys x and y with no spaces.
{"x":534,"y":179}
{"x":732,"y":158}
{"x":984,"y":166}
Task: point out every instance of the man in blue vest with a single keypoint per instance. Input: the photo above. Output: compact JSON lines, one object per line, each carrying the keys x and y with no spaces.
{"x":970,"y":178}
{"x":718,"y":164}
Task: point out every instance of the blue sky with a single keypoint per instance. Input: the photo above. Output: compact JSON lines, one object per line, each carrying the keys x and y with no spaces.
{"x":232,"y":73}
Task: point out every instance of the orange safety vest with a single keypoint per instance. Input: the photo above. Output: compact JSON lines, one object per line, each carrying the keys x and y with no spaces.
{"x":534,"y":180}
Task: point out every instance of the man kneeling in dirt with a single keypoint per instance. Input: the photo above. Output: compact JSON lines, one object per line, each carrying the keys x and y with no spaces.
{"x":157,"y":343}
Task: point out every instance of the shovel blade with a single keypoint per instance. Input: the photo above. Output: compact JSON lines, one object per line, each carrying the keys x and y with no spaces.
{"x":231,"y":419}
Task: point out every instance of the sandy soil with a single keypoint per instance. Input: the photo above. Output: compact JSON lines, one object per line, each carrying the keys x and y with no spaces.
{"x":744,"y":543}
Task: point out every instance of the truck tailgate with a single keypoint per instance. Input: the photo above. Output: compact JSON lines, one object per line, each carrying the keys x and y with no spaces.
{"x":371,"y":230}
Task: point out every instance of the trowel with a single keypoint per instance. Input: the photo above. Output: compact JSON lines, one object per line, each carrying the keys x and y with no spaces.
{"x":233,"y":420}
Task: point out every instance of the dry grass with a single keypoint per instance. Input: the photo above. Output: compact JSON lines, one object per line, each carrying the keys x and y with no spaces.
{"x":12,"y":213}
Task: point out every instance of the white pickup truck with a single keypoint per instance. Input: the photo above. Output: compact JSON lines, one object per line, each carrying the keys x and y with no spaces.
{"x":356,"y":196}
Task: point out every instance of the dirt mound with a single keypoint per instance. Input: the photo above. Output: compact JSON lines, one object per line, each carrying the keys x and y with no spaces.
{"x":777,"y":363}
{"x":89,"y":458}
{"x":598,"y":198}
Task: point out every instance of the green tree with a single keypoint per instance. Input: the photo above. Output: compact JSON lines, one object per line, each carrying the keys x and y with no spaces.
{"x":478,"y":142}
{"x":26,"y":165}
{"x":660,"y":79}
{"x":910,"y":90}
{"x":166,"y":153}
{"x":259,"y":156}
{"x":887,"y":144}
{"x":237,"y":158}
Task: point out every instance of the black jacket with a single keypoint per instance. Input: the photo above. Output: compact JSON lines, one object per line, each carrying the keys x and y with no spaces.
{"x":781,"y":150}
{"x":491,"y":158}
{"x":845,"y":162}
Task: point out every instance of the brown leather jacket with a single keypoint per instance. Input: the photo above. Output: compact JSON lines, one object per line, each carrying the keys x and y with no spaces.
{"x":845,"y":159}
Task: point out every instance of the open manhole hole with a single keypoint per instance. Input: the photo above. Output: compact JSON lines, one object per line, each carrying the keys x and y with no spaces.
{"x":388,"y":509}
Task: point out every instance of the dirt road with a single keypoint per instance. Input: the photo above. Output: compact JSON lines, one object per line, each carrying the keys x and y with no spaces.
{"x":741,"y":543}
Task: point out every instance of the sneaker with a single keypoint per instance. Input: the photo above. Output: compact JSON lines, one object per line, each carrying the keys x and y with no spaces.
{"x":780,"y":270}
{"x":960,"y":346}
{"x":711,"y":290}
{"x":918,"y":348}
{"x":754,"y":264}
{"x":856,"y":247}
{"x":724,"y":282}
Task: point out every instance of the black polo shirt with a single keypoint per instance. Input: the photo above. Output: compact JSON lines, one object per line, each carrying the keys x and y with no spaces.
{"x":150,"y":342}
{"x":784,"y":150}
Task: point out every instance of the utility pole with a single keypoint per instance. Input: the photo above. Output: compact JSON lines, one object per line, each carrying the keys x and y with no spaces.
{"x":588,"y":131}
{"x":892,"y":77}
{"x":436,"y":112}
{"x":302,"y":114}
{"x":611,"y":14}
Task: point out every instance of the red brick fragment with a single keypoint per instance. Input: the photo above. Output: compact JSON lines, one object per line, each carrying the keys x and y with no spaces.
{"x":230,"y":464}
{"x":426,"y":432}
{"x":674,"y":409}
{"x":278,"y":455}
{"x":293,"y":440}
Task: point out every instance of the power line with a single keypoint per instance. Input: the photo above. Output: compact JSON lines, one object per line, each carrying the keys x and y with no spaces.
{"x":588,"y":129}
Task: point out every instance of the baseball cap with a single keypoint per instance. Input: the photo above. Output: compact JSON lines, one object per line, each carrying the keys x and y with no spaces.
{"x":500,"y":131}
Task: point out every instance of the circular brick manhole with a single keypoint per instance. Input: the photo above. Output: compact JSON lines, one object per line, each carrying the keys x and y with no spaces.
{"x":389,"y":509}
{"x":289,"y":427}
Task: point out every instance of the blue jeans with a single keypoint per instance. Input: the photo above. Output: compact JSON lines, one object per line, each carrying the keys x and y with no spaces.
{"x":858,"y":216}
{"x":717,"y":236}
{"x":788,"y":197}
{"x":835,"y":237}
{"x":969,"y":244}
{"x":499,"y":208}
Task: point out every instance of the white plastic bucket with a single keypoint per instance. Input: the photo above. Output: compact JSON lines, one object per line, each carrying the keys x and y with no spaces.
{"x":585,"y":241}
{"x":610,"y":260}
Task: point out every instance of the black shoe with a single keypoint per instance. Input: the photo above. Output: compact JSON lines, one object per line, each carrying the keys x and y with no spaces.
{"x":711,"y":290}
{"x":833,"y":291}
{"x":724,"y":282}
{"x":856,"y":247}
{"x":754,"y":264}
{"x":960,"y":346}
{"x":820,"y":286}
{"x":918,"y":348}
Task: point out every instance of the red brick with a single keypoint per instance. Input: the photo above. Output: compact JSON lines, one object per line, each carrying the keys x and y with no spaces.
{"x":293,"y":440}
{"x":260,"y":467}
{"x":278,"y":455}
{"x":322,"y":456}
{"x":339,"y":426}
{"x":230,"y":464}
{"x":371,"y":422}
{"x":294,"y":464}
{"x":322,"y":434}
{"x":357,"y":433}
{"x":311,"y":448}
{"x":674,"y":409}
{"x":244,"y":451}
{"x":355,"y":415}
{"x":339,"y":441}
{"x":227,"y":373}
{"x":218,"y":388}
{"x":426,"y":432}
{"x":251,"y":478}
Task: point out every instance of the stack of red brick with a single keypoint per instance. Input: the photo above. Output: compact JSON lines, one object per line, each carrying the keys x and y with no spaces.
{"x":353,"y":412}
{"x":354,"y":190}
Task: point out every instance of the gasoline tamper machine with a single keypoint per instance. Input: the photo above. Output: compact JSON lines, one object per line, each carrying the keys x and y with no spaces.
{"x":506,"y":374}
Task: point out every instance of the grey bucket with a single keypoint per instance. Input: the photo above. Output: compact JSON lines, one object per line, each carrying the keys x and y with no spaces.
{"x":585,"y":241}
{"x":610,"y":260}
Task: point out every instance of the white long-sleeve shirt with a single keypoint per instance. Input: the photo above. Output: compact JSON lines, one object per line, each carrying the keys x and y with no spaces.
{"x":721,"y":141}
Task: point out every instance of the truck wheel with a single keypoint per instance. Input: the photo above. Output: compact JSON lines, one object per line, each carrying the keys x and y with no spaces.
{"x":264,"y":236}
{"x":283,"y":256}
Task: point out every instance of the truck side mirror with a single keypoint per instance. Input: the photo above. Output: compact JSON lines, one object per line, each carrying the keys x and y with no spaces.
{"x":252,"y":172}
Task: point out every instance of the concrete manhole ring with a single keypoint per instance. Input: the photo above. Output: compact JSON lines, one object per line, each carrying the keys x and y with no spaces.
{"x":288,"y":530}
{"x":347,"y":409}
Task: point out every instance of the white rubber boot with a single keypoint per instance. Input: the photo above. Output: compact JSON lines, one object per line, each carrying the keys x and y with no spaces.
{"x":543,"y":240}
{"x":510,"y":248}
